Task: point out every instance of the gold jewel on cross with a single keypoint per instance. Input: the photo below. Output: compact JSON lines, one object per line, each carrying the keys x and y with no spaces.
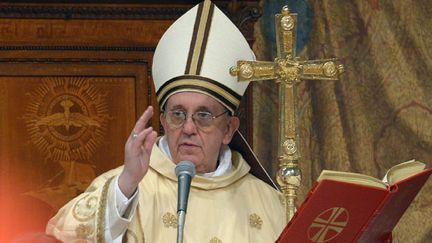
{"x":288,"y":71}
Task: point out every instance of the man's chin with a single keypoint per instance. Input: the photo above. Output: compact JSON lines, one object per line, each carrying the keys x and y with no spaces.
{"x":192,"y":159}
{"x":197,"y":162}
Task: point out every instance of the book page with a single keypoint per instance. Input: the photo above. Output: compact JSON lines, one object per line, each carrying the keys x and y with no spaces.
{"x":403,"y":170}
{"x":349,"y":177}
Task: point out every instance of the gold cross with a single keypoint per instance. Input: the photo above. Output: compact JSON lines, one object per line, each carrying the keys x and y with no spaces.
{"x":288,"y":71}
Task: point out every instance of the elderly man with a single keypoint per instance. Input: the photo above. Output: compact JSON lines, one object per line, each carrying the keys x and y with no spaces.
{"x":198,"y":98}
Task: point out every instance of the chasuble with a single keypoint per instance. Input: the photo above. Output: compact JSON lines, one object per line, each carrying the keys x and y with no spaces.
{"x":235,"y":207}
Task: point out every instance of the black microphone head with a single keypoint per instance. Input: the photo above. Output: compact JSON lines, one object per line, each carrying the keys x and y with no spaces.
{"x":185,"y":167}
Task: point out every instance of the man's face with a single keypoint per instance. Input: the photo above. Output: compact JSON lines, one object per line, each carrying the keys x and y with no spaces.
{"x":192,"y":143}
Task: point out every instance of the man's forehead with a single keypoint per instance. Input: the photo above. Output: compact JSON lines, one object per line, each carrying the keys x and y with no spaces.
{"x":193,"y":100}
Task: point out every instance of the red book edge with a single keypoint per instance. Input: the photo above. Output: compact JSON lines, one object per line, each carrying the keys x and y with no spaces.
{"x":401,"y":195}
{"x":386,"y":236}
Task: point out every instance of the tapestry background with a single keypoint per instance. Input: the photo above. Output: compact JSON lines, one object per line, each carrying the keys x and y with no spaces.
{"x":378,"y":115}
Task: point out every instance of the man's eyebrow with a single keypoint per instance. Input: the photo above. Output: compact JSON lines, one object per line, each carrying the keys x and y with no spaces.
{"x":203,"y":108}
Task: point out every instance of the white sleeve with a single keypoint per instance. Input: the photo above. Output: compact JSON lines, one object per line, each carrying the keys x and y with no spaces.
{"x":119,"y":212}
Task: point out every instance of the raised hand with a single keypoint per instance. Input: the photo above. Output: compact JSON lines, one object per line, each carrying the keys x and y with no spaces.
{"x":137,"y":154}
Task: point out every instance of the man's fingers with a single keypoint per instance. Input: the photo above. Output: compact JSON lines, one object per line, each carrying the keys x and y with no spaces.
{"x":141,"y":138}
{"x":150,"y":140}
{"x":142,"y":121}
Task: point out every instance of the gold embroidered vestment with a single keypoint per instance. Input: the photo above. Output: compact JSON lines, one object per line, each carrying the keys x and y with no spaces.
{"x":236,"y":207}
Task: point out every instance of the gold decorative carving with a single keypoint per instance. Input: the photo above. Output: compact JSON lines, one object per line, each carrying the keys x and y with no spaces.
{"x":215,"y":240}
{"x":313,"y":69}
{"x":287,"y":40}
{"x":67,"y":118}
{"x":288,"y":71}
{"x":264,"y":70}
{"x":290,"y":146}
{"x":330,"y":69}
{"x":84,"y":231}
{"x":328,"y":224}
{"x":287,"y":22}
{"x":246,"y":70}
{"x":169,"y":220}
{"x":255,"y":221}
{"x":282,"y":199}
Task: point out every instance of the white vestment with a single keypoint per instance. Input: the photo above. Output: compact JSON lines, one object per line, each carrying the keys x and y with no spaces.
{"x":234,"y":207}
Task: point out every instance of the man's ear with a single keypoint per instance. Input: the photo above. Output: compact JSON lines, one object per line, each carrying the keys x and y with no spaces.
{"x":232,"y":126}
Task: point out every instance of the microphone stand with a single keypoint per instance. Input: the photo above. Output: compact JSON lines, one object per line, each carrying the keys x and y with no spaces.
{"x":185,"y":171}
{"x":181,"y":216}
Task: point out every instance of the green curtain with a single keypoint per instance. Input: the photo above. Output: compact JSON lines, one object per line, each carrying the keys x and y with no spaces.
{"x":378,"y":115}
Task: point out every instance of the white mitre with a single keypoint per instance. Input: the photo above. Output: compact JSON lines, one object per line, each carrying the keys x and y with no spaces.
{"x":196,"y":53}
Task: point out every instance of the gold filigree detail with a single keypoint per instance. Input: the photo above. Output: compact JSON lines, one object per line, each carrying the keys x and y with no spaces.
{"x":285,"y":10}
{"x":84,"y":231}
{"x":313,"y":69}
{"x":341,"y":68}
{"x":288,"y":71}
{"x":282,"y":199}
{"x":264,"y":70}
{"x":169,"y":220}
{"x":234,"y":71}
{"x":246,"y":70}
{"x":290,"y":146}
{"x":85,"y":208}
{"x":287,"y":40}
{"x":255,"y":221}
{"x":287,"y":22}
{"x":215,"y":240}
{"x":330,"y":69}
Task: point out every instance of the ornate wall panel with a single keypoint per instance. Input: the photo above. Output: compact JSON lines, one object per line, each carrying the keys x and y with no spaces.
{"x":73,"y":80}
{"x":71,"y":91}
{"x":79,"y":32}
{"x":66,"y":123}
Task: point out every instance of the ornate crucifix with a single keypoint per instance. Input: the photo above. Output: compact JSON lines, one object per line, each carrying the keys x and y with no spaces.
{"x":288,"y":71}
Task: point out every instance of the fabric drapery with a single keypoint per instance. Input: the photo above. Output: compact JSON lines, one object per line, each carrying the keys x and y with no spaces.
{"x":377,"y":115}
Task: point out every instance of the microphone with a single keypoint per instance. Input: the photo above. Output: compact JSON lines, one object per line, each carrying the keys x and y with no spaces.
{"x":185,"y":171}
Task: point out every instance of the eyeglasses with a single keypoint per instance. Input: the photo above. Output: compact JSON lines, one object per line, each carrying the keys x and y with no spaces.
{"x":202,"y":119}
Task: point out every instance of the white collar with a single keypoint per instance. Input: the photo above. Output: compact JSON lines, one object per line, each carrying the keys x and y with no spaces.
{"x":225,"y":163}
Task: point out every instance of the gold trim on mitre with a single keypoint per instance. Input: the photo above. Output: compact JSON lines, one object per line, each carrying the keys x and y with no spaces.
{"x":199,"y":37}
{"x":218,"y":91}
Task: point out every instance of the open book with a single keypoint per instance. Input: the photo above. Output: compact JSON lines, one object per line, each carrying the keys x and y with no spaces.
{"x":351,"y":207}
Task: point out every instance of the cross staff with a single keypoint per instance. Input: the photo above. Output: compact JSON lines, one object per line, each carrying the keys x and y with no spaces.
{"x":288,"y":71}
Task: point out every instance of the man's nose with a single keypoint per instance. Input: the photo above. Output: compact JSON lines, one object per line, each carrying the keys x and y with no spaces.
{"x":189,"y":126}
